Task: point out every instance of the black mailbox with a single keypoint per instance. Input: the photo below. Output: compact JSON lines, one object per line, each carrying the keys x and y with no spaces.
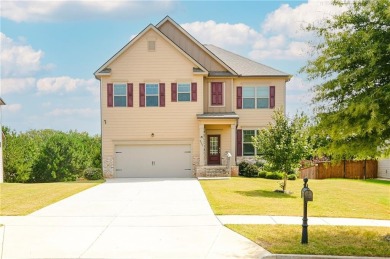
{"x":308,"y":195}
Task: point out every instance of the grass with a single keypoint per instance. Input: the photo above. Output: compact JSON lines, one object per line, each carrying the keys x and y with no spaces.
{"x":332,"y":197}
{"x":17,"y":199}
{"x":323,"y":240}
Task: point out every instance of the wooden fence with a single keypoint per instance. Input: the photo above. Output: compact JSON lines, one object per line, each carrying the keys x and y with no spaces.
{"x":346,"y":169}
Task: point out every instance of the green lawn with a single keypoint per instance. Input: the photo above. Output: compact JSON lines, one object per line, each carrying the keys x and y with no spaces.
{"x":323,"y":240}
{"x":21,"y":199}
{"x":332,"y":197}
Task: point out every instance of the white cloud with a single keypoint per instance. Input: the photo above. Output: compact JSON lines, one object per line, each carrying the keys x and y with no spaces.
{"x":291,"y":21}
{"x":83,"y":112}
{"x":222,"y":34}
{"x":14,"y":107}
{"x":298,"y":95}
{"x":59,"y":10}
{"x":18,"y":59}
{"x":65,"y":83}
{"x":16,"y":85}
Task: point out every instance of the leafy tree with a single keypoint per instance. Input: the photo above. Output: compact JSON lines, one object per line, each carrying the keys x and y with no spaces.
{"x":48,"y":155}
{"x":284,"y":143}
{"x":353,"y":61}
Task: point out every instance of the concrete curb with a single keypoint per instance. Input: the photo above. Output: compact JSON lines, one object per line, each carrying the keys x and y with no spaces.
{"x":291,"y":256}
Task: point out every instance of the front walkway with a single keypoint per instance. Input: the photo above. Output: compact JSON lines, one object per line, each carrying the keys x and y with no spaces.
{"x":287,"y":220}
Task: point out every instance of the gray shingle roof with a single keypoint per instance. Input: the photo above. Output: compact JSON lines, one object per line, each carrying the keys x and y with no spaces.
{"x":244,"y":66}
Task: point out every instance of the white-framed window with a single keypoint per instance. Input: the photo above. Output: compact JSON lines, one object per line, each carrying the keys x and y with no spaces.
{"x":255,"y":97}
{"x":120,"y":95}
{"x":247,"y":144}
{"x":152,"y":94}
{"x":184,"y":92}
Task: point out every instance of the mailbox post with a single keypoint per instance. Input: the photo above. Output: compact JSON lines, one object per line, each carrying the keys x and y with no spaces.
{"x":307,"y":195}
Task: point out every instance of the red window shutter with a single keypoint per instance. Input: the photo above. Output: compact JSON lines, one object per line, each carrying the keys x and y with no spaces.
{"x":194,"y":92}
{"x":239,"y":142}
{"x":174,"y":92}
{"x":142,"y":95}
{"x":239,"y":97}
{"x":272,"y":97}
{"x":110,"y":88}
{"x":162,"y":94}
{"x":129,"y":95}
{"x":216,"y":93}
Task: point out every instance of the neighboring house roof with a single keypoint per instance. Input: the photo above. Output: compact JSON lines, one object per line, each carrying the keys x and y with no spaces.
{"x":244,"y":66}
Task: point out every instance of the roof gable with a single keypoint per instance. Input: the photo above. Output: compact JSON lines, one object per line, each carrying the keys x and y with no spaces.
{"x":105,"y":70}
{"x":171,"y":29}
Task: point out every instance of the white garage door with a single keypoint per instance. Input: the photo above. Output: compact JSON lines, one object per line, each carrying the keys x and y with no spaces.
{"x":156,"y":161}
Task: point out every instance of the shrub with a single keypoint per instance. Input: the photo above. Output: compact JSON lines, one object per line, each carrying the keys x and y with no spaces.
{"x":93,"y":174}
{"x":242,"y":167}
{"x":259,"y":164}
{"x":262,"y":173}
{"x":251,"y":171}
{"x":274,"y":175}
{"x":292,"y":177}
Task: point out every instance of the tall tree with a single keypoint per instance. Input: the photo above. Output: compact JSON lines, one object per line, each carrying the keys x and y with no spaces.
{"x":284,"y":143}
{"x":352,"y":105}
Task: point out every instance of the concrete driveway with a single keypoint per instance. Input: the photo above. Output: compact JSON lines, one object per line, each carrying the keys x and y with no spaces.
{"x":126,"y":218}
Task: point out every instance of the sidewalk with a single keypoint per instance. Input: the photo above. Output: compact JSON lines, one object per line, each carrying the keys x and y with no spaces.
{"x":290,"y":220}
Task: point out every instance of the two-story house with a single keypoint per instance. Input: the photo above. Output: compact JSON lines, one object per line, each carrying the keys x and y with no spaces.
{"x":173,"y":107}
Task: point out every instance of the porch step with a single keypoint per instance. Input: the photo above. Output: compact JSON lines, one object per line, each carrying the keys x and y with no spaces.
{"x":212,"y":171}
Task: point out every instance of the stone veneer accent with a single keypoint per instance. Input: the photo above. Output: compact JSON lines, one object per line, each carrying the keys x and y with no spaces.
{"x":195,"y":164}
{"x":108,"y":167}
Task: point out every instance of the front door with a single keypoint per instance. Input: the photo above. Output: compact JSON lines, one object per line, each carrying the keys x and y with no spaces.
{"x":214,"y":150}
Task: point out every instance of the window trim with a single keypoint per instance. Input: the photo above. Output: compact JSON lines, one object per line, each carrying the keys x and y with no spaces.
{"x":158,"y":95}
{"x":113,"y":94}
{"x":189,"y":92}
{"x":223,"y":95}
{"x":255,"y":97}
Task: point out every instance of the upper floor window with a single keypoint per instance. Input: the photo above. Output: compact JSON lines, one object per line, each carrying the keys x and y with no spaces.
{"x":255,"y":97}
{"x":184,"y":92}
{"x":152,"y":95}
{"x":251,"y":97}
{"x":120,"y":95}
{"x":216,"y":94}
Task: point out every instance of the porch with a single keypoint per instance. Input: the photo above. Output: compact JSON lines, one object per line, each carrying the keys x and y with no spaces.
{"x":217,"y":135}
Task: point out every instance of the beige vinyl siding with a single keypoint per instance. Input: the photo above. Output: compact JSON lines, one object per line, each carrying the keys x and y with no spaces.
{"x":175,"y":121}
{"x":190,"y":47}
{"x":250,"y":118}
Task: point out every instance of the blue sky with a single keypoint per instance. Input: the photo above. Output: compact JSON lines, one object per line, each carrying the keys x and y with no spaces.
{"x":50,"y":49}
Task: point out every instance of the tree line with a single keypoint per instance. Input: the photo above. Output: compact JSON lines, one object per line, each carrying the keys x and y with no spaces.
{"x":49,"y":155}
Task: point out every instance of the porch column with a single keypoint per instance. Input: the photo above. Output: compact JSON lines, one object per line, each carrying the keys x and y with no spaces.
{"x":233,"y":144}
{"x":202,"y":144}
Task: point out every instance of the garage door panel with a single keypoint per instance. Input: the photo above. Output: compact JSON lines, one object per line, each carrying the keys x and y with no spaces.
{"x":153,"y":161}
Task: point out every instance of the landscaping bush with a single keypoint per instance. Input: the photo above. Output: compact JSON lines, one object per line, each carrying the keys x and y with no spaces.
{"x":292,"y":177}
{"x":93,"y":174}
{"x":251,"y":171}
{"x":242,"y":167}
{"x":274,"y":175}
{"x":262,"y":173}
{"x":260,"y":164}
